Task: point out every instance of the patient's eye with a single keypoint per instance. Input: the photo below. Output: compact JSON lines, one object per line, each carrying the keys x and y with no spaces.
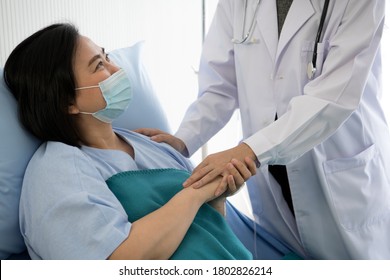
{"x":99,"y":65}
{"x":102,"y":61}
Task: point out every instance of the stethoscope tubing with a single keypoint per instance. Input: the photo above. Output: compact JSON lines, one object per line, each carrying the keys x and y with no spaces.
{"x":319,"y":32}
{"x":245,"y":36}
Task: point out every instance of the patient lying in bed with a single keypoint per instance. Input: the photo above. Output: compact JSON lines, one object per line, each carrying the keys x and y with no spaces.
{"x":67,"y":211}
{"x":94,"y":192}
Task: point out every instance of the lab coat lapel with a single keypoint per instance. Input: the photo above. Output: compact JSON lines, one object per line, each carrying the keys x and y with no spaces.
{"x":300,"y":11}
{"x":267,"y":24}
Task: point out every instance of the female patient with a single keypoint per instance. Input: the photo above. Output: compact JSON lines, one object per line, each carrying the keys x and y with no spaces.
{"x":68,"y":93}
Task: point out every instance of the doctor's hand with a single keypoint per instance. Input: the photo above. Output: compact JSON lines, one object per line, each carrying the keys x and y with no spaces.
{"x":159,"y":136}
{"x":235,"y":165}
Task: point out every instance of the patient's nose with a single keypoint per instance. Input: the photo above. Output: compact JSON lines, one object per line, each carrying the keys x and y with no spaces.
{"x":113,"y":68}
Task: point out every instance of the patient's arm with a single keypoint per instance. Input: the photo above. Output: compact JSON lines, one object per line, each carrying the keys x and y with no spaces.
{"x":158,"y":234}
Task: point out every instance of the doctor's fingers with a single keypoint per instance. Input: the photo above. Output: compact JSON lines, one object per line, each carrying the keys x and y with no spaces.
{"x":245,"y":169}
{"x":238,"y":171}
{"x":202,"y":176}
{"x":235,"y":175}
{"x":228,"y":186}
{"x":215,"y":161}
{"x":223,"y":186}
{"x":160,"y":136}
{"x":149,"y":131}
{"x":251,"y":165}
{"x":232,"y":186}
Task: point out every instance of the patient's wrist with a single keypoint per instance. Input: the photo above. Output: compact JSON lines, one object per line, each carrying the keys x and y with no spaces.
{"x":197,"y":196}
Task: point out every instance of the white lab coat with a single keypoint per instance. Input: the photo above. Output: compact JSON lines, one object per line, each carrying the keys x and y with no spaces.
{"x":331,"y":132}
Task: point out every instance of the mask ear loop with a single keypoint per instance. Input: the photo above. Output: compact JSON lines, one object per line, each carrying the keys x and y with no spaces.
{"x":87,"y":87}
{"x":81,"y":88}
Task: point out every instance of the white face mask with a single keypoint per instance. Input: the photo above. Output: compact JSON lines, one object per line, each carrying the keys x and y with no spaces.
{"x":117,"y":93}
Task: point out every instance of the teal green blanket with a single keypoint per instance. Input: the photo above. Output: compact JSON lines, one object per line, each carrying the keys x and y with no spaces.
{"x":209,"y":237}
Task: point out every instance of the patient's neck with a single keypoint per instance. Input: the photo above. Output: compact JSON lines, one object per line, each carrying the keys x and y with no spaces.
{"x":102,"y":136}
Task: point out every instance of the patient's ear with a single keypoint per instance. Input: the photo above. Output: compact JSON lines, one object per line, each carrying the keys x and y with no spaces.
{"x":73,"y":110}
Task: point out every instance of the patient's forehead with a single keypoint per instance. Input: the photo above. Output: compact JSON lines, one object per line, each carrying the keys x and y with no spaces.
{"x":85,"y":50}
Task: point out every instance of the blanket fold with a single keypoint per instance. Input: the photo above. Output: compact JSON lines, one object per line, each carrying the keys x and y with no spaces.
{"x":209,"y":237}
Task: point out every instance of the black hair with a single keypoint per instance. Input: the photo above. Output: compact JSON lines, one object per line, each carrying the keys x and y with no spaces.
{"x":39,"y":73}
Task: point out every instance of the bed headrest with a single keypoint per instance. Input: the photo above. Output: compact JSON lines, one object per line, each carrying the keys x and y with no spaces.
{"x":17,"y":145}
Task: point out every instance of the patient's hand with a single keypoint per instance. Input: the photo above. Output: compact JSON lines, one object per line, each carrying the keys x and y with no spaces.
{"x":161,"y":136}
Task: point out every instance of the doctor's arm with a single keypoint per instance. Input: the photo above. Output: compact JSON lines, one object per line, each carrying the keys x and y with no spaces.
{"x":327,"y":101}
{"x":213,"y":109}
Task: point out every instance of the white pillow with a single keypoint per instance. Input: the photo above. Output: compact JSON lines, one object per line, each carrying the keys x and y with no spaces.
{"x":145,"y":109}
{"x":16,"y":149}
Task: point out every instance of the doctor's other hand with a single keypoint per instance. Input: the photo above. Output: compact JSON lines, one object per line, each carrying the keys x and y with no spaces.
{"x":237,"y":163}
{"x":160,"y":136}
{"x":235,"y":175}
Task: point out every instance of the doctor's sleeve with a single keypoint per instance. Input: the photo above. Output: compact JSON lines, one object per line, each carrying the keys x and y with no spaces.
{"x":217,"y":99}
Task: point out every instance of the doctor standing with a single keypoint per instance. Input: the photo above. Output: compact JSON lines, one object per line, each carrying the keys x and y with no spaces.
{"x":306,"y":77}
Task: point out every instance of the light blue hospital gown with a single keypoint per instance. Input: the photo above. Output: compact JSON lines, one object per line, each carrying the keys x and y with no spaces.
{"x":66,"y":209}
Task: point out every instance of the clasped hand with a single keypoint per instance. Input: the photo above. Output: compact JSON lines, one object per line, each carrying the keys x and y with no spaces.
{"x":235,"y":165}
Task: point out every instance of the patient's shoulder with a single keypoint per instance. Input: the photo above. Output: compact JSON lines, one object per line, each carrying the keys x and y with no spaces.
{"x":55,"y":150}
{"x":53,"y":156}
